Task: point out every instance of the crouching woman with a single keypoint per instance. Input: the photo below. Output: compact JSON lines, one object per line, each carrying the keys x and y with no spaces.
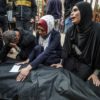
{"x":48,"y":48}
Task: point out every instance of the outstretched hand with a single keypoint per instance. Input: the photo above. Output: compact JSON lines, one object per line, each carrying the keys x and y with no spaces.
{"x":24,"y":72}
{"x":56,"y":65}
{"x":95,"y":79}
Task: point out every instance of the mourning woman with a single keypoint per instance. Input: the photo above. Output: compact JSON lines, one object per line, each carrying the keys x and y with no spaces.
{"x":81,"y":50}
{"x":47,"y":50}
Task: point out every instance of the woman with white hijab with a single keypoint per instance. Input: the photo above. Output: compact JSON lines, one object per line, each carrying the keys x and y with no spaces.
{"x":48,"y":48}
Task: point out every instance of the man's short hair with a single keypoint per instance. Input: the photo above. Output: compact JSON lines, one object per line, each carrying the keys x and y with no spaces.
{"x":9,"y":37}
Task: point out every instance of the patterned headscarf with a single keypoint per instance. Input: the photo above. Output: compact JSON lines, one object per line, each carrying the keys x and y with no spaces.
{"x":47,"y":20}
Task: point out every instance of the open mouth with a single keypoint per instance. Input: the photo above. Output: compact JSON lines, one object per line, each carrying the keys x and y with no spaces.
{"x":72,"y":18}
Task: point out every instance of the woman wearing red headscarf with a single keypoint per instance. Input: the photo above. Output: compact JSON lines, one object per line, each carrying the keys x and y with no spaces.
{"x":48,"y":48}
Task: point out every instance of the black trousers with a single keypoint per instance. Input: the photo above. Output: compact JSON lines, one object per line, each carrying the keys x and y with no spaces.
{"x":3,"y":23}
{"x":80,"y":69}
{"x":24,"y":24}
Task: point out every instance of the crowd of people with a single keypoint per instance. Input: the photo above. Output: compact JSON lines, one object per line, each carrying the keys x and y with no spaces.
{"x":80,"y":53}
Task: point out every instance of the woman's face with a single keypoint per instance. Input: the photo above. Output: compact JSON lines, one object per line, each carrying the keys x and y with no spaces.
{"x":41,"y":31}
{"x":17,"y":38}
{"x":75,"y":15}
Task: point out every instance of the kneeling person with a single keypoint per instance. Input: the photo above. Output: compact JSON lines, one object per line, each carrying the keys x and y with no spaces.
{"x":48,"y":48}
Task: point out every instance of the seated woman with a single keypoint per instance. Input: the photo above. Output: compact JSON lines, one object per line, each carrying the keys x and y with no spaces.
{"x":81,"y":50}
{"x":48,"y":48}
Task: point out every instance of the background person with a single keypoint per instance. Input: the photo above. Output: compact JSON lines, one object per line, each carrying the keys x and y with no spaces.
{"x":54,"y":8}
{"x":25,"y":12}
{"x":3,"y":16}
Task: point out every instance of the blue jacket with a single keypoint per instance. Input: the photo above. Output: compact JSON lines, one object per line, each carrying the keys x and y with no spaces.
{"x":51,"y":54}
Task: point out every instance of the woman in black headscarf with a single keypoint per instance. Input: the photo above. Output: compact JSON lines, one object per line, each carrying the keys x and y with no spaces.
{"x":81,"y":50}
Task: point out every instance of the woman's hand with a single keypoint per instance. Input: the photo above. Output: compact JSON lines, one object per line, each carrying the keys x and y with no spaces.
{"x":56,"y":65}
{"x":95,"y":79}
{"x":23,"y":73}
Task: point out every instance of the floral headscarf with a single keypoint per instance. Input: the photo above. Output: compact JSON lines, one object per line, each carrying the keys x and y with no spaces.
{"x":49,"y":19}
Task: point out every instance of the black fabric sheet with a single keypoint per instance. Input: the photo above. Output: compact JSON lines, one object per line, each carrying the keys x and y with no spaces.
{"x":44,"y":83}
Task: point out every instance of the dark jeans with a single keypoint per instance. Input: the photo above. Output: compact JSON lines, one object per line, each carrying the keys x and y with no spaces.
{"x":24,"y":24}
{"x":3,"y":23}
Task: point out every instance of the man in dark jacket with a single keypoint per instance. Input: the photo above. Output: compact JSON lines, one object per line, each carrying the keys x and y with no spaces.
{"x":3,"y":15}
{"x":25,"y":12}
{"x":21,"y":40}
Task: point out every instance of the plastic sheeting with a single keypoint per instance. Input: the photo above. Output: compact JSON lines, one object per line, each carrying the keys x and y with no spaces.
{"x":44,"y":83}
